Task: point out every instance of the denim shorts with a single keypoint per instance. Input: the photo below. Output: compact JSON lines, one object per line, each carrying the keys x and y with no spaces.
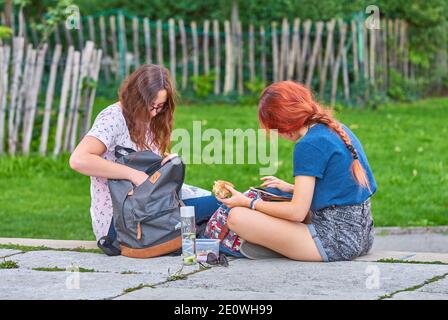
{"x":342,"y":232}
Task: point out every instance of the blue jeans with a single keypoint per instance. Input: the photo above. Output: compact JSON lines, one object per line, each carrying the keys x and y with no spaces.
{"x":204,"y":207}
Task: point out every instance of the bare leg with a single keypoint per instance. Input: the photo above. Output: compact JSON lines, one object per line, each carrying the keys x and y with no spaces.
{"x":291,"y":239}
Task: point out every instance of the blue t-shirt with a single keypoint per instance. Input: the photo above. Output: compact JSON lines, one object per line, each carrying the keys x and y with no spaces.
{"x":321,"y":153}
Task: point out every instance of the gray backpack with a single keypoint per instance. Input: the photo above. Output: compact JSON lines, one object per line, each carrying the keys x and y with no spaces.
{"x":147,"y":222}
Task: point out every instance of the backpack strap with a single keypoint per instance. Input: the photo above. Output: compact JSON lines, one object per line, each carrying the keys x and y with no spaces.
{"x":122,"y":151}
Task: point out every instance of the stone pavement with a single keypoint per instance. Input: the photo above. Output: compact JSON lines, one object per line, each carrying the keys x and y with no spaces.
{"x":47,"y":274}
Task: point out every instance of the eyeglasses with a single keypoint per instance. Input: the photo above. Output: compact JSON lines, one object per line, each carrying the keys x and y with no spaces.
{"x":159,"y":108}
{"x":213,"y":259}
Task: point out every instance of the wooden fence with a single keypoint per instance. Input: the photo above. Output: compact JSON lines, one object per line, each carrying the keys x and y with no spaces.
{"x":338,"y":59}
{"x":24,"y":117}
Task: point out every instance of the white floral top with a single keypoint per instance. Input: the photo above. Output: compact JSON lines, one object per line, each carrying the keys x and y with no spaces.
{"x":111,"y":129}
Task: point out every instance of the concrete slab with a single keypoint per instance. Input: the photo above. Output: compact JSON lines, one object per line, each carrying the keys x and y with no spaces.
{"x":419,"y":295}
{"x":50,"y":243}
{"x":405,"y":256}
{"x":410,"y":230}
{"x":101,"y":262}
{"x":32,"y":285}
{"x":429,"y":257}
{"x":374,"y":256}
{"x":435,"y":290}
{"x":426,"y":242}
{"x":8,"y":252}
{"x":176,"y":293}
{"x":363,"y":278}
{"x":286,"y":279}
{"x":440,"y":286}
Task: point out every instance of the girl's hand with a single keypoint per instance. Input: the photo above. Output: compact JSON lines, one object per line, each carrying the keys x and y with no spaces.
{"x":237,"y":200}
{"x":273,"y":182}
{"x":138,"y":177}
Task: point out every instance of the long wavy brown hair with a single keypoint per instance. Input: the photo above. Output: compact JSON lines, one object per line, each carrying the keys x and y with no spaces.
{"x":137,"y":93}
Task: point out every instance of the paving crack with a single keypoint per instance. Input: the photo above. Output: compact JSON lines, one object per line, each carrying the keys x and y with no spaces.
{"x":403,"y":260}
{"x":170,"y":278}
{"x":44,"y":248}
{"x":416,"y":287}
{"x":12,"y":254}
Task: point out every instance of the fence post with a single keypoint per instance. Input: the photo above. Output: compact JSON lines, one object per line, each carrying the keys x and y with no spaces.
{"x":80,"y":35}
{"x":239,"y":41}
{"x":147,"y":32}
{"x":74,"y":90}
{"x":306,"y":40}
{"x":63,"y":102}
{"x":328,"y":52}
{"x":49,"y":99}
{"x":91,"y":23}
{"x":86,"y":57}
{"x":334,"y":85}
{"x":93,"y":72}
{"x":104,"y":47}
{"x":159,"y":42}
{"x":228,"y":79}
{"x":17,"y":60}
{"x":275,"y":71}
{"x":205,"y":46}
{"x":345,"y":70}
{"x":183,"y":39}
{"x":122,"y":46}
{"x":284,"y":50}
{"x":372,"y":55}
{"x":315,"y":52}
{"x":355,"y":50}
{"x":195,"y":57}
{"x":251,"y":53}
{"x":263,"y":54}
{"x":294,"y":49}
{"x":116,"y":58}
{"x":5,"y":53}
{"x":25,"y":98}
{"x":172,"y":38}
{"x":36,"y":83}
{"x":135,"y":35}
{"x":217,"y":51}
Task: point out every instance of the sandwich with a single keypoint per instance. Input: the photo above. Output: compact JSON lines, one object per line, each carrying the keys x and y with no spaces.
{"x":220,"y":190}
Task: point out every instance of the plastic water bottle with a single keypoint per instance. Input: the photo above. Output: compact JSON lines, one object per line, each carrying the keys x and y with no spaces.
{"x":188,"y":227}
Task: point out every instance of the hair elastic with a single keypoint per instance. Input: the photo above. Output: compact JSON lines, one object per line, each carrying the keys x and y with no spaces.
{"x":353,"y":151}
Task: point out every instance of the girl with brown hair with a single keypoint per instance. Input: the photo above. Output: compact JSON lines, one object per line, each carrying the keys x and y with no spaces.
{"x":142,"y":119}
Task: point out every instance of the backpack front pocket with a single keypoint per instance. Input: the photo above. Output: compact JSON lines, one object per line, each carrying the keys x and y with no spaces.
{"x":155,"y":208}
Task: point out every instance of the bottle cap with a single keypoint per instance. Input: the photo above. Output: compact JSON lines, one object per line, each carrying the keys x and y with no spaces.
{"x":187,"y":212}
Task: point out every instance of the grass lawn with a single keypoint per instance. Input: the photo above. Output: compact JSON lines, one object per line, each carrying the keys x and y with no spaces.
{"x":406,"y":144}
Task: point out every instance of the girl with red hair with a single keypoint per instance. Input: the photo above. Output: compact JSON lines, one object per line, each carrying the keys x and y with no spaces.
{"x":328,"y":217}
